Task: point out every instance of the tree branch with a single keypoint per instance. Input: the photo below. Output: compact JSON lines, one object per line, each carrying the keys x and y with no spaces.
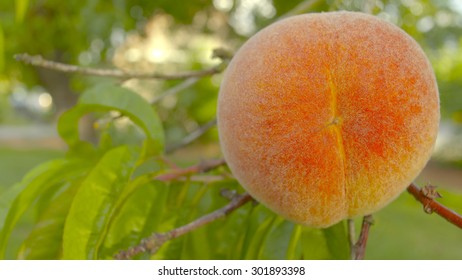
{"x":152,"y":243}
{"x":201,"y":167}
{"x":427,"y":196}
{"x":39,"y":61}
{"x":192,"y":136}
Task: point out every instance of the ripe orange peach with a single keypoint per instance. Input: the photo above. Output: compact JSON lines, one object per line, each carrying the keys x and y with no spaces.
{"x":323,"y":117}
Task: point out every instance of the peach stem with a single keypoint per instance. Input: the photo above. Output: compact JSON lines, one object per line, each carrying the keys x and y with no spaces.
{"x":359,"y":249}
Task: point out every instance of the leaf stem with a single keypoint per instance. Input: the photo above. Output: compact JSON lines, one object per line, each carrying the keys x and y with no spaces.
{"x":360,"y":246}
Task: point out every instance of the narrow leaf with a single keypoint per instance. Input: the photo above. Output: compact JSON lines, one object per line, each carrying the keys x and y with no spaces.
{"x":260,"y":220}
{"x":313,"y":245}
{"x":89,"y":213}
{"x":337,"y":241}
{"x":330,"y":243}
{"x":294,"y":251}
{"x":177,"y":214}
{"x":8,"y":196}
{"x":25,"y":193}
{"x":45,"y":240}
{"x":145,"y":205}
{"x":277,"y":240}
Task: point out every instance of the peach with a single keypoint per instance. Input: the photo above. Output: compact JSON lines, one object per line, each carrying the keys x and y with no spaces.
{"x":328,"y":116}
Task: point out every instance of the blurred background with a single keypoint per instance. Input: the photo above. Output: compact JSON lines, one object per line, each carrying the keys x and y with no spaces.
{"x":173,"y":36}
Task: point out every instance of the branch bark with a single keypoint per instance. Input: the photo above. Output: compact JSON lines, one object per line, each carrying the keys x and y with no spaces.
{"x":37,"y":60}
{"x":427,"y":196}
{"x":152,"y":243}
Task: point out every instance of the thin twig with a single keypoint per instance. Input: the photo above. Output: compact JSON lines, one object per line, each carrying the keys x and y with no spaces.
{"x":39,"y":61}
{"x":351,"y":237}
{"x":193,"y":136}
{"x":176,"y":89}
{"x":360,"y":246}
{"x":427,"y":196}
{"x":201,"y":167}
{"x":152,"y":243}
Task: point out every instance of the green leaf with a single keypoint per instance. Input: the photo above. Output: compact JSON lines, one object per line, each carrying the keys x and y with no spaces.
{"x":337,"y":241}
{"x":260,"y":221}
{"x":277,"y":240}
{"x":46,"y":197}
{"x":138,"y":216}
{"x":45,"y":240}
{"x":21,"y":9}
{"x":221,"y":239}
{"x":25,"y":193}
{"x":176,"y":213}
{"x":294,"y":251}
{"x":201,"y":200}
{"x":232,"y":234}
{"x":328,"y":243}
{"x":92,"y":205}
{"x":225,"y":236}
{"x":108,"y":97}
{"x":7,"y":197}
{"x":313,"y":245}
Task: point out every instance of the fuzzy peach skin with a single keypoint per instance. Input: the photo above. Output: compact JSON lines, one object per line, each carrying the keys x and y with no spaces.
{"x":323,"y":117}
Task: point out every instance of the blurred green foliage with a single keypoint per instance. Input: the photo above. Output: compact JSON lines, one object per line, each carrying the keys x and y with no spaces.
{"x":101,"y":198}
